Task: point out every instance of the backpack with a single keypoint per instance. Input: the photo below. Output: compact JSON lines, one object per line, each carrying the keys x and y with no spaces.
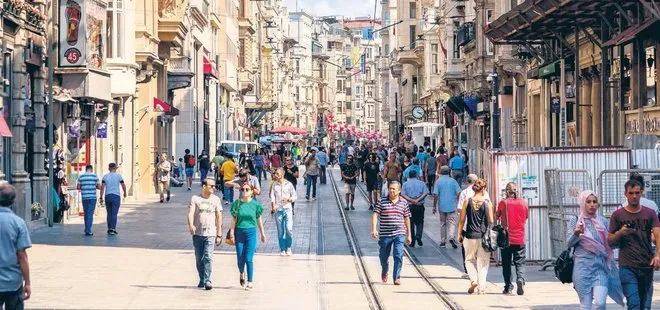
{"x":564,"y":266}
{"x":191,"y":160}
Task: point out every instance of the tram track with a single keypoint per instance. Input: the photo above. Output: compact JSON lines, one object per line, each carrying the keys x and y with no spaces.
{"x":375,"y":300}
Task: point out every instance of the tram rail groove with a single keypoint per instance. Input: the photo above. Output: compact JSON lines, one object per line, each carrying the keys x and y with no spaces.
{"x":375,"y":302}
{"x":439,"y":291}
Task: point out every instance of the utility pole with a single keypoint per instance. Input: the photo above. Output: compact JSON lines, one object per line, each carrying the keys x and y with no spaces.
{"x":50,"y":208}
{"x":495,"y":113}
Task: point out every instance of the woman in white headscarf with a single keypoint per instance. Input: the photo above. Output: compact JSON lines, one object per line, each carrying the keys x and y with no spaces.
{"x":595,"y":275}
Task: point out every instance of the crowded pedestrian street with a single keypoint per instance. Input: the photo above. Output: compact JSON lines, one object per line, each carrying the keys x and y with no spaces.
{"x":150,"y":263}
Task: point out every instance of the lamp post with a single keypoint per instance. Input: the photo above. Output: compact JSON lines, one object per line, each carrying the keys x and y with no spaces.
{"x":495,"y":113}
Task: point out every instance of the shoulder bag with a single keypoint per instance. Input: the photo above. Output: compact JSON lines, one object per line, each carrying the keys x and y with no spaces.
{"x":228,"y":239}
{"x":489,"y":238}
{"x":564,"y":266}
{"x":502,"y":232}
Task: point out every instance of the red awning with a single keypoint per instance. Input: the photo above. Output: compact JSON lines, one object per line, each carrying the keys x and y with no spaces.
{"x":209,"y":68}
{"x":162,"y":106}
{"x":630,"y":33}
{"x":4,"y":129}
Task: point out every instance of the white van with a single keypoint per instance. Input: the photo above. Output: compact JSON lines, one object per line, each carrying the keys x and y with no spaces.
{"x":236,"y":147}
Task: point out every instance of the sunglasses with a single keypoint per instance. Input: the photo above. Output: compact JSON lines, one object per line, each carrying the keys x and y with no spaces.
{"x":246,"y":189}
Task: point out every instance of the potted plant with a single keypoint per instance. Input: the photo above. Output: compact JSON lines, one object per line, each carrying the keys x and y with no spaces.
{"x":34,"y":16}
{"x":13,"y":7}
{"x":36,"y":211}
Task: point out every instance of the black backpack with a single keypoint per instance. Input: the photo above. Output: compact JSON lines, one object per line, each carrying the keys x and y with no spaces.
{"x":564,"y":266}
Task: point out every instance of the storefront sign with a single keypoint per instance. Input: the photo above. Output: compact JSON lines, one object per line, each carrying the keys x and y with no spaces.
{"x":82,"y":25}
{"x":650,"y":125}
{"x":555,"y":105}
{"x":102,"y":130}
{"x":34,"y":51}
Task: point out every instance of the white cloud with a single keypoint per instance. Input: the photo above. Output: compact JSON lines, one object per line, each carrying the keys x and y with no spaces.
{"x":347,"y":8}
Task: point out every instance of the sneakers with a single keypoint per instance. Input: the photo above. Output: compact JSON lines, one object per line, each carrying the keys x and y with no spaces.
{"x":383,"y":277}
{"x":412,"y":244}
{"x":352,"y":207}
{"x":89,"y":234}
{"x":161,"y":201}
{"x":188,"y":187}
{"x":313,"y":198}
{"x":307,"y":197}
{"x":288,"y":252}
{"x":419,"y":241}
{"x":397,"y":282}
{"x":241,"y":280}
{"x":508,"y":290}
{"x":249,"y":286}
{"x":200,"y":284}
{"x":473,"y":286}
{"x":168,"y":199}
{"x":208,"y":286}
{"x":112,"y":232}
{"x":520,"y":284}
{"x":453,"y":243}
{"x":347,"y":208}
{"x":282,"y":253}
{"x":443,"y":245}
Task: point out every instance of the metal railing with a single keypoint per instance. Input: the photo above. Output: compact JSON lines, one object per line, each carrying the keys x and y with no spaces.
{"x":611,"y":187}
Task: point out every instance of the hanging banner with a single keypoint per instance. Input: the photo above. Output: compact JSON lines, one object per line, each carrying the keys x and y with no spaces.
{"x":102,"y":130}
{"x":73,"y":42}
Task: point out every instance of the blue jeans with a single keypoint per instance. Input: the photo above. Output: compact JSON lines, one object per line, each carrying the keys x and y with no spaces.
{"x":112,"y":203}
{"x":203,"y":173}
{"x":88,"y":207}
{"x":311,"y":183}
{"x":386,"y":244}
{"x":284,"y":220}
{"x":260,"y":171}
{"x":228,"y":193}
{"x":246,"y":244}
{"x":204,"y":246}
{"x":12,"y":300}
{"x":322,"y":175}
{"x":637,"y":286}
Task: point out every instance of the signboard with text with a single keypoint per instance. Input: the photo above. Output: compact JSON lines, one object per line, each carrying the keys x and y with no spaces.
{"x":81,"y":33}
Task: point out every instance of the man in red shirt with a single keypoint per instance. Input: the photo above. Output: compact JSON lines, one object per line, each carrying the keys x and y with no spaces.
{"x":513,"y":213}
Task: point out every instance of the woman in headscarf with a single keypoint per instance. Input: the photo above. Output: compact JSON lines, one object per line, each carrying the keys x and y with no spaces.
{"x":595,"y":275}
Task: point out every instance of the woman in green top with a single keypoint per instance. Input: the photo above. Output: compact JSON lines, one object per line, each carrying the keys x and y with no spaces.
{"x":245,"y":218}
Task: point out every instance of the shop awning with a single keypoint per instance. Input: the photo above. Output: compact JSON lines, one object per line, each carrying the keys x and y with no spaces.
{"x":535,"y":20}
{"x":209,"y":68}
{"x":630,"y":33}
{"x":162,"y":106}
{"x":456,"y":104}
{"x":4,"y":129}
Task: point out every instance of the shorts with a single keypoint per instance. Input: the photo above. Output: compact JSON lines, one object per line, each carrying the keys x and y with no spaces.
{"x":372,"y":185}
{"x":189,"y":172}
{"x":350,"y":188}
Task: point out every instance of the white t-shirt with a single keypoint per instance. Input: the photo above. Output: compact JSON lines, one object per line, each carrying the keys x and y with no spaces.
{"x":351,"y":150}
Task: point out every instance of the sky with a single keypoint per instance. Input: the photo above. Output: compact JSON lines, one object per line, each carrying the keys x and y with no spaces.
{"x":347,"y":8}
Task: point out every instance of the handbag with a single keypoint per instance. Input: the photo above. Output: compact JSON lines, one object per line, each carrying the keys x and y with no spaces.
{"x":564,"y":266}
{"x":503,"y":233}
{"x":228,"y":239}
{"x":489,"y":240}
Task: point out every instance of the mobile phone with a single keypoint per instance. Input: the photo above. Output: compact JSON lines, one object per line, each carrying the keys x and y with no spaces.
{"x":629,"y":225}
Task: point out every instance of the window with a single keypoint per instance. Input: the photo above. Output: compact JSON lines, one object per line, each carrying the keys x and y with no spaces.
{"x":490,"y":48}
{"x":413,"y":35}
{"x":348,"y":105}
{"x":357,"y":122}
{"x":357,"y":105}
{"x":357,"y":90}
{"x":513,"y":4}
{"x":115,"y":40}
{"x":242,"y":49}
{"x":297,"y":66}
{"x":387,"y":49}
{"x":297,"y":93}
{"x":456,"y":47}
{"x":434,"y":58}
{"x":340,"y":86}
{"x":339,"y":107}
{"x":413,"y":10}
{"x":370,"y":111}
{"x":368,"y":54}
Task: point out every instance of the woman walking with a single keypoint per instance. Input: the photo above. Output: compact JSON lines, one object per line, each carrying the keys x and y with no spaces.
{"x":476,"y":216}
{"x":595,"y":275}
{"x":245,"y":219}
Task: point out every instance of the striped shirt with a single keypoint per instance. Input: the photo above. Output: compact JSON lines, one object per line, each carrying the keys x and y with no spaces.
{"x":392,"y":217}
{"x":88,"y":182}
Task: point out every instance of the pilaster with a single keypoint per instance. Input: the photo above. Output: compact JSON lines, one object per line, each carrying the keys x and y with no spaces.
{"x":20,"y":177}
{"x":40,"y":174}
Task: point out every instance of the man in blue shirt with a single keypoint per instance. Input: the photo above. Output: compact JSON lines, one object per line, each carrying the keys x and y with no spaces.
{"x":414,"y":167}
{"x":14,"y":242}
{"x":88,"y":183}
{"x":415,"y":191}
{"x":445,"y":195}
{"x":323,"y":160}
{"x":110,"y":186}
{"x":457,"y":165}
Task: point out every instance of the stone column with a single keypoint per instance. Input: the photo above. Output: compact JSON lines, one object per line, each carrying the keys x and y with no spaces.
{"x":585,"y":111}
{"x":596,"y":112}
{"x":4,"y":104}
{"x":40,"y":174}
{"x":20,"y":177}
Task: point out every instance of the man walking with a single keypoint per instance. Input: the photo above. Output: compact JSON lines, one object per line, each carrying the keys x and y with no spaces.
{"x":323,"y":160}
{"x":630,"y":229}
{"x":88,"y":183}
{"x":204,"y":165}
{"x":229,"y":171}
{"x":282,"y":195}
{"x":14,"y":242}
{"x":415,"y":191}
{"x":350,"y":175}
{"x":370,"y":177}
{"x":205,"y":226}
{"x":513,"y":213}
{"x":110,"y":186}
{"x":392,"y":170}
{"x":163,"y":175}
{"x":393,"y":214}
{"x":189,"y":161}
{"x":457,"y":165}
{"x":445,"y":195}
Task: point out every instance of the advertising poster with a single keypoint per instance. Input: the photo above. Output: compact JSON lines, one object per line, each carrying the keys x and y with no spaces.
{"x":96,"y":14}
{"x":72,"y":51}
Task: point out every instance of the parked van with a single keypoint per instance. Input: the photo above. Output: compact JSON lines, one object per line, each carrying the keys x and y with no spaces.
{"x":236,"y":147}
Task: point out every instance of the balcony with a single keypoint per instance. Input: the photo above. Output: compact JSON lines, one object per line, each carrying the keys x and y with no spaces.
{"x":409,"y":57}
{"x":465,"y":33}
{"x":246,"y":81}
{"x":228,"y":75}
{"x":179,"y":72}
{"x":384,"y":65}
{"x":245,"y":26}
{"x":199,"y":10}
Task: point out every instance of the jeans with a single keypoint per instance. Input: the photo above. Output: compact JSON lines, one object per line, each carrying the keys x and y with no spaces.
{"x":12,"y":300}
{"x":597,"y":298}
{"x":457,"y":174}
{"x":88,"y":207}
{"x":392,"y":244}
{"x":637,"y":286}
{"x":515,"y":254}
{"x":260,"y":171}
{"x":430,"y":181}
{"x":112,"y":203}
{"x":323,"y":175}
{"x":284,"y":221}
{"x":447,"y":222}
{"x":204,"y":246}
{"x":311,"y":183}
{"x":246,"y":244}
{"x":476,"y":261}
{"x":417,"y":222}
{"x":203,"y":172}
{"x":228,"y":193}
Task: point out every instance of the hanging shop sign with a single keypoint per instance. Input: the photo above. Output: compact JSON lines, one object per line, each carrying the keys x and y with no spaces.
{"x":82,"y":24}
{"x":102,"y":130}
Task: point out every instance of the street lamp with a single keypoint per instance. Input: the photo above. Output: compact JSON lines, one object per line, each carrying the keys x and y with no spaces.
{"x":493,"y":78}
